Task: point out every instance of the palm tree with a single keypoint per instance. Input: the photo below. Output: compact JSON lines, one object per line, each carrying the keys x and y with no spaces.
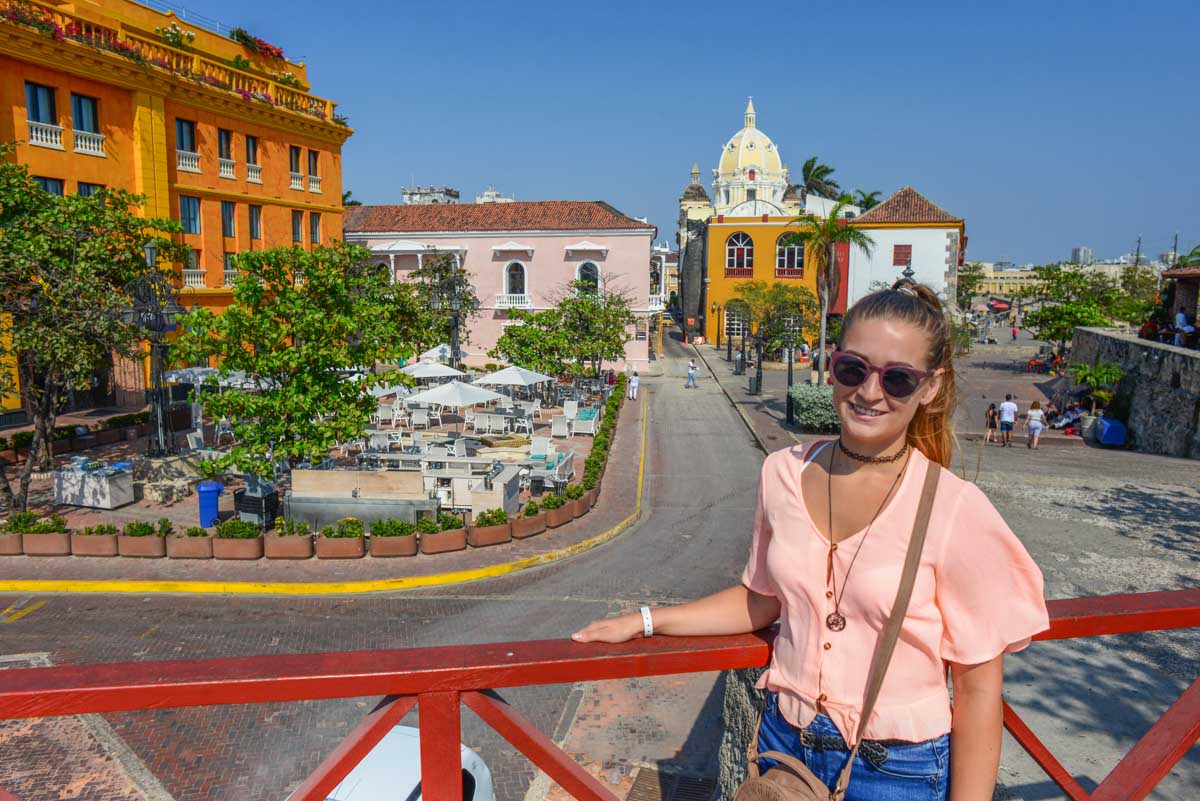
{"x":820,"y":236}
{"x":1192,"y":259}
{"x":866,"y":200}
{"x":348,"y":199}
{"x":818,"y":179}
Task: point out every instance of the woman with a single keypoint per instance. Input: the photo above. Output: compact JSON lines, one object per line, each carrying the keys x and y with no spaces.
{"x":993,"y":425}
{"x":1035,"y":421}
{"x":830,"y":535}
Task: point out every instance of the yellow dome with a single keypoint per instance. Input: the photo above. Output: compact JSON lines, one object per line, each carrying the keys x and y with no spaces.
{"x":748,"y":149}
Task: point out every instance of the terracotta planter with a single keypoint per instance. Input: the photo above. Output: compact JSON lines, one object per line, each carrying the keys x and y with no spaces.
{"x":190,"y":547}
{"x":589,"y":497}
{"x":237,"y":549}
{"x":61,"y":446}
{"x":108,"y":436}
{"x":340,"y":547}
{"x":394,"y":546}
{"x":489,"y":535}
{"x":94,"y":544}
{"x":150,"y":546}
{"x":443,"y":541}
{"x":291,"y":546}
{"x":561,"y":516}
{"x":523,"y":527}
{"x":578,"y":507}
{"x":46,"y":544}
{"x":10,"y":545}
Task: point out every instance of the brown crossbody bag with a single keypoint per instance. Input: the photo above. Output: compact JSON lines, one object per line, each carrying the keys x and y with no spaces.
{"x":790,"y":779}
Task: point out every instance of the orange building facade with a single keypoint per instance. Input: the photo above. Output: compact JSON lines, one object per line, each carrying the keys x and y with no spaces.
{"x":218,"y":135}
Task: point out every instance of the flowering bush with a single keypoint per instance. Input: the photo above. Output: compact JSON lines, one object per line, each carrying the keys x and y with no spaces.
{"x":341,"y":119}
{"x":239,"y":63}
{"x":22,"y":14}
{"x":288,"y":79}
{"x":213,"y":80}
{"x":176,"y":37}
{"x":256,"y":45}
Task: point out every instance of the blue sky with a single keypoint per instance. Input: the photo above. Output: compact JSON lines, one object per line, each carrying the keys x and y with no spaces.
{"x":1045,"y":125}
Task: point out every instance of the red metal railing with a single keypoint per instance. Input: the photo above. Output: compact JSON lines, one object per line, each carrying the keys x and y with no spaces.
{"x":438,"y":680}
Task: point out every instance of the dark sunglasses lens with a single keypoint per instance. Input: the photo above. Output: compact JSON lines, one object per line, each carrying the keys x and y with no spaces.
{"x":849,"y":371}
{"x":900,"y":383}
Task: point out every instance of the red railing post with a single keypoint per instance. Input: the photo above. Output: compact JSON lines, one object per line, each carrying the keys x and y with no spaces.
{"x":1042,"y":756}
{"x":441,"y":746}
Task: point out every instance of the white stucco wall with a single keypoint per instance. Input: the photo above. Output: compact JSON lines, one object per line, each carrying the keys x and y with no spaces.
{"x":934,"y":253}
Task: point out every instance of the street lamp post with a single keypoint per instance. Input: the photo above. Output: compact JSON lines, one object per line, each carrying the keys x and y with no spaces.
{"x":790,"y":342}
{"x":154,"y":308}
{"x":452,"y":295}
{"x":758,"y":359}
{"x":908,"y":270}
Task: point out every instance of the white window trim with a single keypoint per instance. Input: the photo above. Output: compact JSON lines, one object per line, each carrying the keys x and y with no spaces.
{"x":599,"y":272}
{"x":504,"y":278}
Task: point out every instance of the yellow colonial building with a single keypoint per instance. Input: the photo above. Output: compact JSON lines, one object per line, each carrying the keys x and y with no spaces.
{"x":218,"y":132}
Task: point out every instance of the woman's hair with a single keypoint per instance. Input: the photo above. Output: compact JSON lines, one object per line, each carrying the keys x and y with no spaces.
{"x":991,"y":407}
{"x":931,"y":429}
{"x":1035,"y":405}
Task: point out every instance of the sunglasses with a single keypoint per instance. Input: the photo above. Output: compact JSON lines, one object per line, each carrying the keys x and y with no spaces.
{"x":897,"y":381}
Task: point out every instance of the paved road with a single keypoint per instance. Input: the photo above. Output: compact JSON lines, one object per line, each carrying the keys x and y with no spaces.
{"x":702,"y":470}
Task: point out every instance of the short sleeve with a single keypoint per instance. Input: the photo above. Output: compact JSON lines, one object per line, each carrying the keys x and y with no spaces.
{"x":989,"y":590}
{"x":757,"y":576}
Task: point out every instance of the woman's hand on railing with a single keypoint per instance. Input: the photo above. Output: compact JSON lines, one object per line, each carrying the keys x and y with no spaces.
{"x":613,"y":629}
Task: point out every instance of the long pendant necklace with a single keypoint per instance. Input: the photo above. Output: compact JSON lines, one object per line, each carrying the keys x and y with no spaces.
{"x":835,"y":620}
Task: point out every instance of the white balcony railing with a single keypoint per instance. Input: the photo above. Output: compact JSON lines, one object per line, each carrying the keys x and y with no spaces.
{"x":507,"y":301}
{"x":314,"y":184}
{"x":187,"y":161}
{"x":90,"y":143}
{"x":658,"y":302}
{"x":254,"y":173}
{"x":230,"y":277}
{"x":226,"y":168}
{"x":45,"y":135}
{"x":297,"y":180}
{"x":194,"y":279}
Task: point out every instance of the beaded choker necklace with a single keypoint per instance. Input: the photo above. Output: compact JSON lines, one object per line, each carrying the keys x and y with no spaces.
{"x":859,"y":457}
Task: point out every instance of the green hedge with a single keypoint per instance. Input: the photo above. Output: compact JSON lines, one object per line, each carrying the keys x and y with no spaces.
{"x":392,"y":527}
{"x":30,"y":523}
{"x":346,"y":528}
{"x":237,"y":530}
{"x":491,"y":517}
{"x":593,"y":466}
{"x":814,"y":408}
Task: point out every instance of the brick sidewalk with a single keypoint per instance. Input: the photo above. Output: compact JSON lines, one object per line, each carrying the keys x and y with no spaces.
{"x":616,"y":502}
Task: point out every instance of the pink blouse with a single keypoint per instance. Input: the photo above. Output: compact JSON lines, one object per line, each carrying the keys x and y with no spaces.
{"x":978,"y":594}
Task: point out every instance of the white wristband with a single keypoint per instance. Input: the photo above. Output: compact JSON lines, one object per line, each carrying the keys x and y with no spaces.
{"x":647,"y":622}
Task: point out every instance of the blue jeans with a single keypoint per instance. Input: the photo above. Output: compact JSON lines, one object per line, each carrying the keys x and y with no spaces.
{"x":911,"y":772}
{"x":691,"y":380}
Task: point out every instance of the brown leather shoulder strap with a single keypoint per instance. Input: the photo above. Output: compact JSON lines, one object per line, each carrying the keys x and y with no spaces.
{"x":887,"y":642}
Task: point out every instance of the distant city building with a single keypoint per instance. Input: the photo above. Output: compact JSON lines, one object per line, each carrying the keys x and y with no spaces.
{"x":429,"y":195}
{"x":664,"y":274}
{"x":1082,"y":255}
{"x":492,"y":195}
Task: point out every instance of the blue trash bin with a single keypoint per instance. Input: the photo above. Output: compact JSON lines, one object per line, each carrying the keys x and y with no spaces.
{"x":208,"y":492}
{"x":1110,"y":432}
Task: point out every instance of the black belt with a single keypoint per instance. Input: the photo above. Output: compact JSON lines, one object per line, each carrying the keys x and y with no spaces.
{"x":874,"y":751}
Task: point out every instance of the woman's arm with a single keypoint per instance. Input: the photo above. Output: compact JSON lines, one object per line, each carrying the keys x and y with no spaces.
{"x":737,"y":610}
{"x":976,"y":729}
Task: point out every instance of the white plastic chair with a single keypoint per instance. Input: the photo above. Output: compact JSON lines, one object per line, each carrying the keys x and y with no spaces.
{"x":385,"y":411}
{"x":571,"y":409}
{"x":459,"y":447}
{"x":536,"y":408}
{"x":523,"y":424}
{"x":224,"y":428}
{"x":435,"y":413}
{"x":420,"y":417}
{"x":560,"y":426}
{"x":469,"y":418}
{"x":540,"y":447}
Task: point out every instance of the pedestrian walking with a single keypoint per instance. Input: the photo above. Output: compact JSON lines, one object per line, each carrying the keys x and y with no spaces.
{"x":1035,"y":421}
{"x":1008,"y":419}
{"x":977,"y":596}
{"x":633,"y":386}
{"x":691,"y":375}
{"x":1014,"y":332}
{"x":991,"y":432}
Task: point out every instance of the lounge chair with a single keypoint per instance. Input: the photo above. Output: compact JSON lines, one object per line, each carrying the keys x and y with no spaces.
{"x":571,"y":409}
{"x":540,"y":448}
{"x":560,"y":426}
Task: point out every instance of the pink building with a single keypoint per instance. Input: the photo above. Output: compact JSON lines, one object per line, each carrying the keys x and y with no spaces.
{"x":519,"y":255}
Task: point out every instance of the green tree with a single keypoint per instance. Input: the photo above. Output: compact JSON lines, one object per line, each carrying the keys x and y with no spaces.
{"x":1138,"y":296}
{"x":866,"y":200}
{"x":777,"y":309}
{"x":64,"y":265}
{"x":440,"y":277}
{"x":1099,"y":379}
{"x":348,"y":199}
{"x":820,"y":236}
{"x":1068,"y":297}
{"x":1191,"y":259}
{"x":970,"y":279}
{"x":297,"y":319}
{"x":818,"y":179}
{"x":586,"y":327}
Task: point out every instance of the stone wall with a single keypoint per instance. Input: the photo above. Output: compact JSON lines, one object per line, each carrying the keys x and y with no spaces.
{"x":1159,"y":397}
{"x":740,"y":713}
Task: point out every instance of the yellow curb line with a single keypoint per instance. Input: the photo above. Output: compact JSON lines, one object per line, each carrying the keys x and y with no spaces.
{"x":342,"y":587}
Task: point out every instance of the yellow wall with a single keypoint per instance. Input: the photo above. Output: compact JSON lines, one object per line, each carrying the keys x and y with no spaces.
{"x":138,"y":105}
{"x":722,"y":288}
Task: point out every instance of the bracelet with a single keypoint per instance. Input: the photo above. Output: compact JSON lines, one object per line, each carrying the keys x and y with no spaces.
{"x":647,"y":622}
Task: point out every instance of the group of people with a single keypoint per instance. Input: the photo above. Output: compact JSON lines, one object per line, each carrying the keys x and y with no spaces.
{"x":1179,"y":333}
{"x":1002,"y":420}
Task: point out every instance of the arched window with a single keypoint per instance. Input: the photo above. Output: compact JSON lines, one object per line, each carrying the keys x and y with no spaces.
{"x":737,"y":319}
{"x":514,"y":279}
{"x":789,"y":257}
{"x":589,"y":276}
{"x":739,"y":253}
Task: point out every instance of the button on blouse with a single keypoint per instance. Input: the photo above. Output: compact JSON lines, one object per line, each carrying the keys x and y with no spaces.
{"x":978,"y":594}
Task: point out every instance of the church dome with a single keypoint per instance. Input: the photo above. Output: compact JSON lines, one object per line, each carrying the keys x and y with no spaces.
{"x":749,"y":149}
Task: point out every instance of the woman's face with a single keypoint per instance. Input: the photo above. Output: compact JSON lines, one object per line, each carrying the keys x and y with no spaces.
{"x":868,"y":414}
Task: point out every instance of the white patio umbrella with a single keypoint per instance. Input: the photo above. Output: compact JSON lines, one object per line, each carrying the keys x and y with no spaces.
{"x":380,"y":391}
{"x":456,"y":395}
{"x":434,"y":370}
{"x":515,"y":377}
{"x":438,"y":352}
{"x":189,"y":375}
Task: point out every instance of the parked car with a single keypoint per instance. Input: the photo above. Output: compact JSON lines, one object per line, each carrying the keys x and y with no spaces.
{"x":392,"y":772}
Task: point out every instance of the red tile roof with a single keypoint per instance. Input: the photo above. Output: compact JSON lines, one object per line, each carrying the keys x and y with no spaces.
{"x":907,"y":206}
{"x":542,"y":215}
{"x":1182,"y":272}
